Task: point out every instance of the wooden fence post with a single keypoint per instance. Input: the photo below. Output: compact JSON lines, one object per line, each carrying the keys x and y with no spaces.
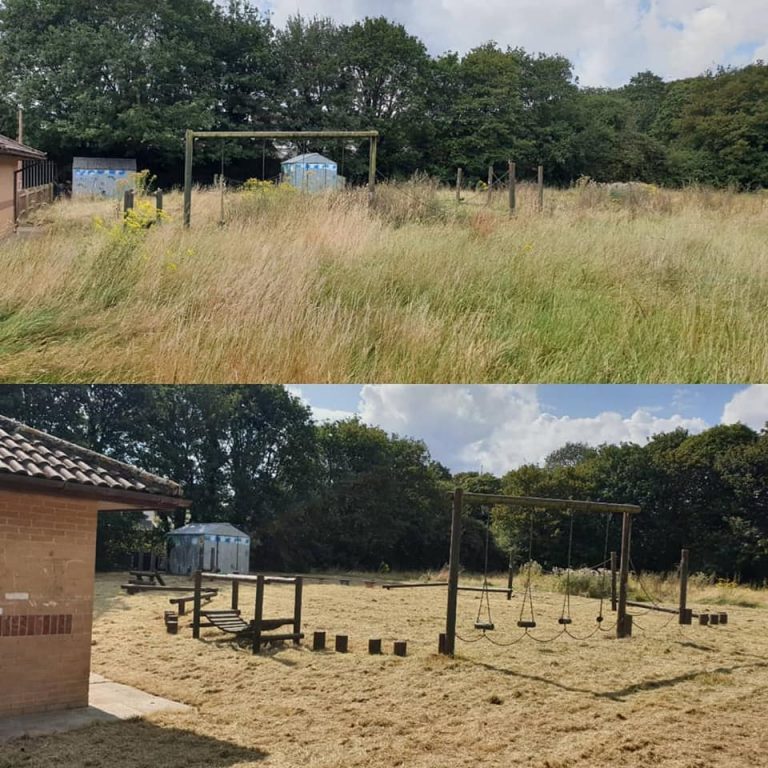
{"x":372,"y":169}
{"x":453,"y":572}
{"x":159,"y":204}
{"x":258,"y":613}
{"x":297,"y":596}
{"x":235,"y":594}
{"x":189,"y":144}
{"x":614,"y":561}
{"x":127,"y":202}
{"x":459,"y":178}
{"x":196,"y":605}
{"x":541,"y":188}
{"x":512,"y":182}
{"x":685,"y":614}
{"x":490,"y":184}
{"x":374,"y":646}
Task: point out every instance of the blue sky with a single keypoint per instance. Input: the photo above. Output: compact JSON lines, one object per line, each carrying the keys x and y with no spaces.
{"x":607,"y":40}
{"x":499,"y":427}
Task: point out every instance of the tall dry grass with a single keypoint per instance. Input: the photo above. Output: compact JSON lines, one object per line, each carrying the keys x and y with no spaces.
{"x":665,"y":286}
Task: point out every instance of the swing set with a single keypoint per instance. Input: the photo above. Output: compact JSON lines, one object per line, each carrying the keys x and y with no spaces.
{"x":189,"y":146}
{"x":527,"y":620}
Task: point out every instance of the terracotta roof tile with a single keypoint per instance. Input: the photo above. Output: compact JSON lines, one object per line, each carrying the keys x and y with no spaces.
{"x":10,"y":147}
{"x":27,"y":452}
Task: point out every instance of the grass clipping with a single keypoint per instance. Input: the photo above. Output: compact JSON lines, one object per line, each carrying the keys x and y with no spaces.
{"x":673,"y":697}
{"x":650,"y":286}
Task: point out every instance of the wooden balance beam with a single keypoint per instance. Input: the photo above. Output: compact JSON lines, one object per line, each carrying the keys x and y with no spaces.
{"x":131,"y":589}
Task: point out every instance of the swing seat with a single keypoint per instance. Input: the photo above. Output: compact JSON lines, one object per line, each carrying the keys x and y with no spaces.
{"x":486,"y":626}
{"x":565,"y":620}
{"x":526,"y":624}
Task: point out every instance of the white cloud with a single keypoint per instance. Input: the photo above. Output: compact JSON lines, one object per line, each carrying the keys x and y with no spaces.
{"x":319,"y":414}
{"x":750,"y":407}
{"x":608,"y":40}
{"x":499,"y":427}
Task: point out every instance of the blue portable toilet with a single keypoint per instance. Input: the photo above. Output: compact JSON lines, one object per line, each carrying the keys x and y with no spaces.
{"x":311,"y":172}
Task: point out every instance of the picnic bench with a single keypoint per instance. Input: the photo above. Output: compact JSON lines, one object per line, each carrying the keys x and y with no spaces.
{"x":146,"y":577}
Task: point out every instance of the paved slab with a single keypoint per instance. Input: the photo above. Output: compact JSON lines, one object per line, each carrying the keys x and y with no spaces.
{"x":107,"y":701}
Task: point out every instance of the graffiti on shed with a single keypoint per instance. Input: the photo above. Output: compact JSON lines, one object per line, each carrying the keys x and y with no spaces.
{"x":102,"y":176}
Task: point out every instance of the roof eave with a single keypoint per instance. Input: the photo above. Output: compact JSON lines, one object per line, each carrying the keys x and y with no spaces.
{"x":138,"y":499}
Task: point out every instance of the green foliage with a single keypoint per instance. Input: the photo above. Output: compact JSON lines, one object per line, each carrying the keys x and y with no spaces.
{"x":706,"y":492}
{"x":126,"y":78}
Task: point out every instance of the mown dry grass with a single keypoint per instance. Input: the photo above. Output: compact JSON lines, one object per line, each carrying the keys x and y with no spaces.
{"x":668,"y":286}
{"x":690,"y":697}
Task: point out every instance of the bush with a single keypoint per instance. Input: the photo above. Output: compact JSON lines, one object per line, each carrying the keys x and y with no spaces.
{"x":584,"y":582}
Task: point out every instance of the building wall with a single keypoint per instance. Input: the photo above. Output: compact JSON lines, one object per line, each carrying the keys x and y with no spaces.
{"x":7,"y":214}
{"x":47,"y":552}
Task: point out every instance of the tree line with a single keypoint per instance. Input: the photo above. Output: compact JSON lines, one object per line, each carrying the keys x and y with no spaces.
{"x":126,"y":77}
{"x":347,"y":495}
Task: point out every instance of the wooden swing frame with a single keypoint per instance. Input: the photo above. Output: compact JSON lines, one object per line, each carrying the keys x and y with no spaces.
{"x":189,"y":148}
{"x":460,"y":497}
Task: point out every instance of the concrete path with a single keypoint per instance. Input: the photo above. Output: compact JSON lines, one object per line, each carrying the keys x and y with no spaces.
{"x":107,"y":701}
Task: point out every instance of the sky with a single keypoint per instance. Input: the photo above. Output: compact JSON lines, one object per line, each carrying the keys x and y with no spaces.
{"x":498,"y":427}
{"x":608,"y":41}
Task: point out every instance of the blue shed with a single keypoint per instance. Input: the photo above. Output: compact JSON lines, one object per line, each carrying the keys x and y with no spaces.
{"x":311,"y":172}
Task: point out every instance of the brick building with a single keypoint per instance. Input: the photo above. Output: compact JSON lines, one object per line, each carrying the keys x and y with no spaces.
{"x":50,"y":494}
{"x":12,"y":153}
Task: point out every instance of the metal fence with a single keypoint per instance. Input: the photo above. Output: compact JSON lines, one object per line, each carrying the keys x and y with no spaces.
{"x":34,"y":186}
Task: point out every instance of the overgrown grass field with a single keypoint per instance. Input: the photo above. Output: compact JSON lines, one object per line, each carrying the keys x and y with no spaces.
{"x":670,"y":696}
{"x":654,"y":286}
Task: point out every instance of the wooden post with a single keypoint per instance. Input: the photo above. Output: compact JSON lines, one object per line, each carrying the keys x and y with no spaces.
{"x":614,"y":562}
{"x":512,"y":182}
{"x":297,"y":595}
{"x":459,"y":177}
{"x":20,"y":126}
{"x":441,"y":643}
{"x":342,"y":643}
{"x":541,"y":188}
{"x":624,"y":627}
{"x":235,"y":594}
{"x":400,"y":648}
{"x":684,"y":617}
{"x":159,"y":204}
{"x":490,"y":184}
{"x":196,"y":605}
{"x":374,"y":646}
{"x":258,"y":613}
{"x":723,"y":618}
{"x":510,"y":574}
{"x":127,"y":201}
{"x":189,"y":143}
{"x":372,"y":169}
{"x":318,"y":641}
{"x":453,"y":572}
{"x":221,"y":197}
{"x":703,"y":619}
{"x":714,"y":618}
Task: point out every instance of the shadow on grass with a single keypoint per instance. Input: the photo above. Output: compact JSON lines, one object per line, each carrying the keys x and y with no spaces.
{"x":629,"y":690}
{"x":129,"y":744}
